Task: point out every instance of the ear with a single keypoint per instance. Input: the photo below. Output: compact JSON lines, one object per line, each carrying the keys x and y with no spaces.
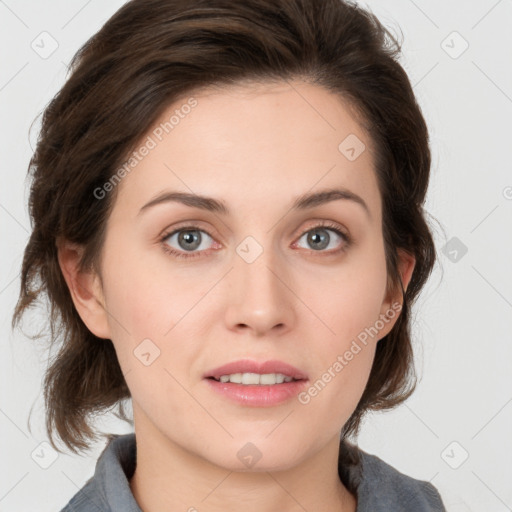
{"x":392,"y":305}
{"x":85,"y":289}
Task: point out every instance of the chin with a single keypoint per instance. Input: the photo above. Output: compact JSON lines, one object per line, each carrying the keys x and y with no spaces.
{"x":258,"y":455}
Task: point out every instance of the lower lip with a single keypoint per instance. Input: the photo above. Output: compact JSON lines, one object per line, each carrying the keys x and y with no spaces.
{"x":258,"y":395}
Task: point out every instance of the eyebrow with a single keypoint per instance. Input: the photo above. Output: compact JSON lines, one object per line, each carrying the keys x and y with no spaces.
{"x":303,"y":202}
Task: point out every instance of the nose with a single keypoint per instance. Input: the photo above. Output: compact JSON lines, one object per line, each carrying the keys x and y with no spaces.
{"x":261,"y":296}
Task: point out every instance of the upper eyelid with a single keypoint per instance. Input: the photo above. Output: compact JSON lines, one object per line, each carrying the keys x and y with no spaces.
{"x":195,"y":225}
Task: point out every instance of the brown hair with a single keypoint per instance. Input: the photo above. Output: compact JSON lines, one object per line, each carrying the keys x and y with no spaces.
{"x":148,"y":54}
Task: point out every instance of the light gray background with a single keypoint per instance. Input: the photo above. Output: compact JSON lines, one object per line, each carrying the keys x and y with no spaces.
{"x":463,"y":404}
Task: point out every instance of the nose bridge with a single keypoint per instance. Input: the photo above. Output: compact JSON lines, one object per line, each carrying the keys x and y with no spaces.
{"x":260,"y":299}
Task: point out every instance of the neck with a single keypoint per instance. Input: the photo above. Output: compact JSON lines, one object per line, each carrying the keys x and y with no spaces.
{"x":169,"y":477}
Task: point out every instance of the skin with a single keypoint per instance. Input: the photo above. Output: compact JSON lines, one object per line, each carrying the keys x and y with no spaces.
{"x":255,"y":148}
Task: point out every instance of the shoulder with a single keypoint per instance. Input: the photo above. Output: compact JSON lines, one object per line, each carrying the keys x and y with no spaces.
{"x":383,"y":487}
{"x":87,"y":499}
{"x":108,"y":489}
{"x":380,"y":487}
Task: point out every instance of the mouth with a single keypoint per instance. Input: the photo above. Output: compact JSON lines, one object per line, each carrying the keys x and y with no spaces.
{"x":254,"y":384}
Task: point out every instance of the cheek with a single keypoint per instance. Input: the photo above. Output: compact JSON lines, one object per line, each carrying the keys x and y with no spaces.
{"x":342,"y":363}
{"x":144,"y":297}
{"x":147,"y":318}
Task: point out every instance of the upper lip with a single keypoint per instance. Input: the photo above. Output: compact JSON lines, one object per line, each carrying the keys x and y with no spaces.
{"x":250,"y":366}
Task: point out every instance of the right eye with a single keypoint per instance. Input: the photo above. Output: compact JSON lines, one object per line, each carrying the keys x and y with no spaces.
{"x":189,"y":239}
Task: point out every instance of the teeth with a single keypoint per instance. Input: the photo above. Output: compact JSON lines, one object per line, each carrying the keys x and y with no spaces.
{"x":255,"y":378}
{"x":250,"y":378}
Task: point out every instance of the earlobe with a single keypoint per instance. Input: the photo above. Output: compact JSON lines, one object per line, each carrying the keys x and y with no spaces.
{"x":85,"y":289}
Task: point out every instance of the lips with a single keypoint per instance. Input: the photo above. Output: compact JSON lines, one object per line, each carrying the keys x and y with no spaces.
{"x":249,"y":366}
{"x":264,"y":394}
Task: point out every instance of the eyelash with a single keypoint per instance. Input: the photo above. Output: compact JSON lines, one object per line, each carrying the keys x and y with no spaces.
{"x":179,"y":254}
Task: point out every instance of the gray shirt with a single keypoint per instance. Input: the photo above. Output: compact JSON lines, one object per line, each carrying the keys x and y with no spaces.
{"x":379,"y":487}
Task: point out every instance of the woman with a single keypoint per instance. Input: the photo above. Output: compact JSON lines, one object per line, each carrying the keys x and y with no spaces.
{"x":227,"y":206}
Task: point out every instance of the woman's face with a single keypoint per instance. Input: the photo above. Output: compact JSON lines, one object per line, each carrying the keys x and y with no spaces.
{"x":263,"y":274}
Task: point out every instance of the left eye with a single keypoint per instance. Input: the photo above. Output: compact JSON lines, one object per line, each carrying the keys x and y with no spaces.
{"x":319,"y":239}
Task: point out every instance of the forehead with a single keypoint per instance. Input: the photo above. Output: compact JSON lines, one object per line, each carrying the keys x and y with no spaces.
{"x":254,"y":143}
